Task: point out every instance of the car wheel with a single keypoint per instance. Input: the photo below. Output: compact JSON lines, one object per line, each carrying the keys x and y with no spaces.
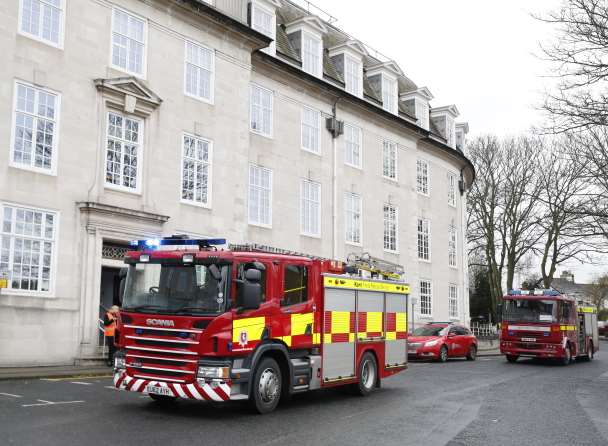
{"x":567,"y":359}
{"x":443,"y":354}
{"x":368,"y":375}
{"x":266,"y":386}
{"x":472,"y":355}
{"x":163,"y":400}
{"x":512,"y":358}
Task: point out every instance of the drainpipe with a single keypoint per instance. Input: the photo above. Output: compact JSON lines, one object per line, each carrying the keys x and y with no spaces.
{"x":335,"y":130}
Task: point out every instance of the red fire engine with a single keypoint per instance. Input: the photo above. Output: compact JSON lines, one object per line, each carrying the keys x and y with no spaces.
{"x":250,"y":323}
{"x":547,"y":324}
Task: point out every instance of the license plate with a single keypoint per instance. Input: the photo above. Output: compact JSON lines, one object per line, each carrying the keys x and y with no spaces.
{"x":528,"y":339}
{"x":157,"y":390}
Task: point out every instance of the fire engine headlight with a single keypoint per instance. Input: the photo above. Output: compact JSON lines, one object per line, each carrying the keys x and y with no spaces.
{"x":213,"y":372}
{"x":431,"y":343}
{"x":119,"y":362}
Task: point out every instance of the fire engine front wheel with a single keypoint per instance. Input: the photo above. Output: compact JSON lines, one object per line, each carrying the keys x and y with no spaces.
{"x":266,"y":386}
{"x":512,"y":358}
{"x":567,"y":359}
{"x":368,"y":375}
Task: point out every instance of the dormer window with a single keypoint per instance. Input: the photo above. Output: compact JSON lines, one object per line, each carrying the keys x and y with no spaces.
{"x":462,"y":128}
{"x":263,"y":19}
{"x":312,"y":53}
{"x":306,"y":37}
{"x":353,"y":75}
{"x":417,"y":103}
{"x":383,"y":78}
{"x":389,"y":94}
{"x":444,"y":120}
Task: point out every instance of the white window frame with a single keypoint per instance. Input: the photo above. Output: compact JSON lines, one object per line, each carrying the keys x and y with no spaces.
{"x":452,"y":189}
{"x":350,"y":214}
{"x":452,"y":247}
{"x":54,"y":241}
{"x":355,"y":88}
{"x":422,"y":113}
{"x":211,"y":98}
{"x":255,"y":7}
{"x":53,"y":170}
{"x":428,"y":293}
{"x":307,"y":126}
{"x":207,"y":204}
{"x":387,"y":207}
{"x":421,"y":234}
{"x":39,"y":38}
{"x":317,"y":70}
{"x":390,"y":96}
{"x":270,"y":125}
{"x":306,"y":204}
{"x":453,"y":301}
{"x":144,"y":62}
{"x":250,"y":186}
{"x":391,"y":164}
{"x":423,"y":177}
{"x":140,"y":153}
{"x":450,"y":131}
{"x":348,"y":145}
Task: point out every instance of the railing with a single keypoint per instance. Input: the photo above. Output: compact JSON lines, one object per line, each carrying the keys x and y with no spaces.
{"x":484,"y":331}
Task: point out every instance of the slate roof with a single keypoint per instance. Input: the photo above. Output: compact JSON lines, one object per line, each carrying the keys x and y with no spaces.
{"x":576,"y":290}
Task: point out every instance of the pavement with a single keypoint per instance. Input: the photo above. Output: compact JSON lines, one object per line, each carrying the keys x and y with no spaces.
{"x":488,"y":401}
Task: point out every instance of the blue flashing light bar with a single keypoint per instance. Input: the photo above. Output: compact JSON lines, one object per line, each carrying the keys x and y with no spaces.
{"x":514,"y":292}
{"x":152,"y":244}
{"x":551,"y":293}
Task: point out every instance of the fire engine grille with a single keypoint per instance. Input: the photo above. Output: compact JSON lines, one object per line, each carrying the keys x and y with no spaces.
{"x":163,"y":344}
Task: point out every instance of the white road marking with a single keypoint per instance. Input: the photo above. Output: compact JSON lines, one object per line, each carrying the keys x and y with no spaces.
{"x":111,"y":387}
{"x":603,"y":376}
{"x":50,"y":403}
{"x":81,"y":383}
{"x":10,"y":394}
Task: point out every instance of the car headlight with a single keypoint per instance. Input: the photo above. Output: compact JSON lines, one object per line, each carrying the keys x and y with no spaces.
{"x":431,"y":343}
{"x":119,"y":362}
{"x":213,"y":372}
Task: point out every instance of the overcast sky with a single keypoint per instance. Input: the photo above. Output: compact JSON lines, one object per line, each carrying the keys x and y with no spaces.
{"x":478,"y":54}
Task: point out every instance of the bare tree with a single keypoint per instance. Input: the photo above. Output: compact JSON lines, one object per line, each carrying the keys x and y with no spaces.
{"x":503,"y":206}
{"x":579,"y":57}
{"x":568,"y":231}
{"x":598,"y":291}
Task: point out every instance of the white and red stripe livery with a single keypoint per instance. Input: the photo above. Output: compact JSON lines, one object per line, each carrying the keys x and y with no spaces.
{"x":198,"y":391}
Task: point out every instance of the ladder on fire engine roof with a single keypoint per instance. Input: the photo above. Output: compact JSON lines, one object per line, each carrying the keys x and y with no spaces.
{"x":355,"y":263}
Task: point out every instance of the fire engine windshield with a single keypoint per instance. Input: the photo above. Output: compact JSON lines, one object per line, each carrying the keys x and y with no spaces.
{"x":529,"y":310}
{"x":175,"y":289}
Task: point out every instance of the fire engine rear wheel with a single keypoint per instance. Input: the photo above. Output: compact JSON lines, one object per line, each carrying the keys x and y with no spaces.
{"x":589,"y":355}
{"x":368,"y":375}
{"x":163,"y":399}
{"x":512,"y":358}
{"x":266,"y":386}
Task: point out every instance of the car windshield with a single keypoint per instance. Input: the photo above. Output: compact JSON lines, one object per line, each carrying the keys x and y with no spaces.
{"x":429,"y":331}
{"x":175,"y":289}
{"x":529,"y":310}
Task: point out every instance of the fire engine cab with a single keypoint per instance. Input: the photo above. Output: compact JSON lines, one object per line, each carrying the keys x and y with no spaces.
{"x":547,"y":324}
{"x":255,"y":323}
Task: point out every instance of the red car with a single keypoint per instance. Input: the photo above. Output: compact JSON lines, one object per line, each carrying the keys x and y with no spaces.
{"x":442,"y":340}
{"x":602,"y":328}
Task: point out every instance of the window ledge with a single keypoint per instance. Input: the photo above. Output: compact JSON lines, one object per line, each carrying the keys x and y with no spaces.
{"x":264,"y":135}
{"x":260,"y":225}
{"x":358,"y":244}
{"x":196,"y":204}
{"x":115,"y":188}
{"x":58,"y":46}
{"x":312,"y":152}
{"x":200,"y":99}
{"x":50,"y":172}
{"x":359,"y":168}
{"x":424,"y":260}
{"x":315,"y":236}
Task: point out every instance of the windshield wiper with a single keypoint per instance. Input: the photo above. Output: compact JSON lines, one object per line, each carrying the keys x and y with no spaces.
{"x":194,"y":309}
{"x":143,"y":308}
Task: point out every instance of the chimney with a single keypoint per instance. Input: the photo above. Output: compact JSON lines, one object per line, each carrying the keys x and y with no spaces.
{"x":567,"y":275}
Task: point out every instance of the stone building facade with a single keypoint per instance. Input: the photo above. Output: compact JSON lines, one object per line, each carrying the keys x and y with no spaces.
{"x":125,"y":119}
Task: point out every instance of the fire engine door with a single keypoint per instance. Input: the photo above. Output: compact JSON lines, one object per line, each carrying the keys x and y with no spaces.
{"x":338,"y":334}
{"x":396,"y":327}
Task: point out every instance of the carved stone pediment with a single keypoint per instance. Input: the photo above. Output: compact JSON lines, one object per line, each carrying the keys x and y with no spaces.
{"x":129,"y":94}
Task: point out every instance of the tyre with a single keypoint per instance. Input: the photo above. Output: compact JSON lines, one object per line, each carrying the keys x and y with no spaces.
{"x":266,"y":386}
{"x":512,"y":358}
{"x":589,"y":355}
{"x":163,"y":400}
{"x":368,"y":375}
{"x":472,"y":355}
{"x":567,"y":359}
{"x":443,"y":354}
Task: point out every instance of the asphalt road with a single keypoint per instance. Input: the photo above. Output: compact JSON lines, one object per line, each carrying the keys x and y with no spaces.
{"x":459,"y":403}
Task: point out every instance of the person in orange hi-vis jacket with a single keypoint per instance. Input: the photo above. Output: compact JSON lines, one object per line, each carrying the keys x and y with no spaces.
{"x":109,"y":323}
